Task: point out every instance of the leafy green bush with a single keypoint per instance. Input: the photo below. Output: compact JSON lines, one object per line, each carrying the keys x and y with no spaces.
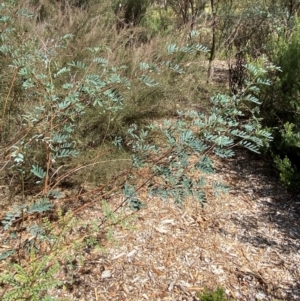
{"x":281,"y":107}
{"x":289,"y":175}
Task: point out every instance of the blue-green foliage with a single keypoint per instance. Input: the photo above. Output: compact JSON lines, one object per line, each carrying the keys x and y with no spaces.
{"x":60,"y":102}
{"x":7,"y":254}
{"x":40,"y":206}
{"x":19,"y":212}
{"x":205,"y":165}
{"x":131,"y":197}
{"x":12,"y":216}
{"x":38,"y":171}
{"x":61,"y":94}
{"x":57,"y":94}
{"x":197,"y":135}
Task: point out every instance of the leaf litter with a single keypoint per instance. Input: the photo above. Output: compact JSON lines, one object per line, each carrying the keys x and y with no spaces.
{"x":246,"y":241}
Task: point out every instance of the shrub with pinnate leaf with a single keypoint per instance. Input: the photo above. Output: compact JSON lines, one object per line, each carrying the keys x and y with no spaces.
{"x":232,"y":121}
{"x":59,"y":94}
{"x":45,"y":137}
{"x":32,"y":282}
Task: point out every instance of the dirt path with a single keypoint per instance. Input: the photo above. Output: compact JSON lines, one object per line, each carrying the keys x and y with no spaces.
{"x":248,"y":242}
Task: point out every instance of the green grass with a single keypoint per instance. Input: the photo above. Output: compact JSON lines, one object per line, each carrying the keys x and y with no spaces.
{"x":216,"y":295}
